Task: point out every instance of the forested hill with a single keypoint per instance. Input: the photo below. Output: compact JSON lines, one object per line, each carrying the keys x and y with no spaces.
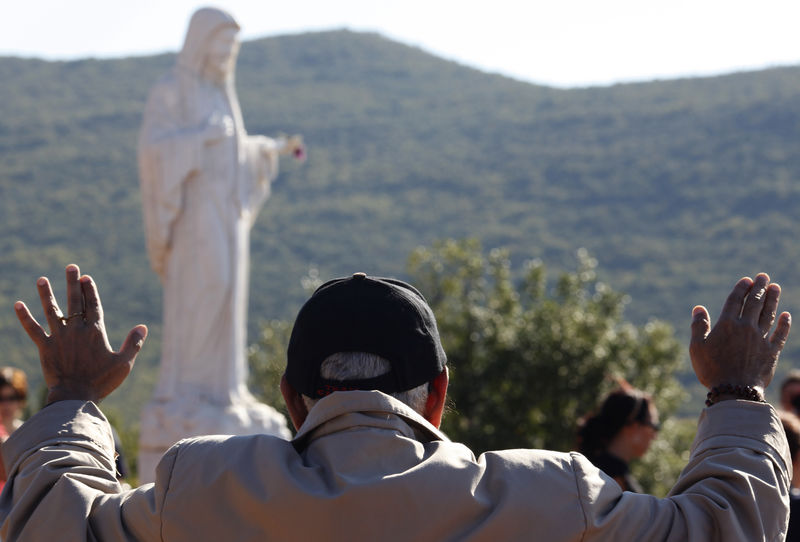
{"x":677,"y":187}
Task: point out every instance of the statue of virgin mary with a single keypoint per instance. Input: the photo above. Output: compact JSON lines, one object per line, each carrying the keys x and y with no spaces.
{"x":203,"y":181}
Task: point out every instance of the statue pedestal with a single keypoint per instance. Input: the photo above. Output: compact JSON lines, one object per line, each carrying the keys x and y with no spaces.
{"x":163,"y":423}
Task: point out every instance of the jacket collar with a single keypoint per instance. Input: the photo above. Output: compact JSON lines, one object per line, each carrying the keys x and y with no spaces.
{"x":342,"y":410}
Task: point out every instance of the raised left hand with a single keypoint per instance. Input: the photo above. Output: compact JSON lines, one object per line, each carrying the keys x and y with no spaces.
{"x":77,"y":360}
{"x":741,"y":349}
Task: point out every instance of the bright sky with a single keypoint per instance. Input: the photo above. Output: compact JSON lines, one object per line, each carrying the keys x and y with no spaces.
{"x":555,"y":42}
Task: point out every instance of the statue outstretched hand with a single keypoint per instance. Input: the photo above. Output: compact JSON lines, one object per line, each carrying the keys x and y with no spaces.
{"x":739,"y":350}
{"x":294,"y":146}
{"x":77,"y":360}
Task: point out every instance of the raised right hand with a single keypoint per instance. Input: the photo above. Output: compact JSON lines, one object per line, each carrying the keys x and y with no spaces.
{"x":739,"y":350}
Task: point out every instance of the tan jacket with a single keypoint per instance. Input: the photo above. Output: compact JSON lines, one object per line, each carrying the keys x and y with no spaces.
{"x":366,"y":467}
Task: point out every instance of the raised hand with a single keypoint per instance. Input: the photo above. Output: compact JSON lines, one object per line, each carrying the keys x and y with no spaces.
{"x":77,"y":360}
{"x":739,"y":350}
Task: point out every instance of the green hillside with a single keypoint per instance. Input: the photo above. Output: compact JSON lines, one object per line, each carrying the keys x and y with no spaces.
{"x":678,"y":187}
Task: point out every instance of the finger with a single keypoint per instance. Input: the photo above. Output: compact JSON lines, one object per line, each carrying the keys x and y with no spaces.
{"x":29,"y":324}
{"x":701,"y":323}
{"x":132,"y":345}
{"x":754,"y":303}
{"x":781,"y":332}
{"x":51,"y":311}
{"x":74,"y":294}
{"x":770,"y":309}
{"x":733,"y":305}
{"x":94,"y":309}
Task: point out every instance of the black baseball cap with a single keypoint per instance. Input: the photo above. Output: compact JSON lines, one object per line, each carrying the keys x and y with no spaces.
{"x":376,"y":315}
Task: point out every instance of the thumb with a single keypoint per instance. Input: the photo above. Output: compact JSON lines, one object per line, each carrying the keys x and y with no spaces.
{"x":701,"y":323}
{"x":133,"y":344}
{"x":781,"y":332}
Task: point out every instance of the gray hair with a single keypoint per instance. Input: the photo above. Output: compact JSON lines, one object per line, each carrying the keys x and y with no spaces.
{"x":359,"y":365}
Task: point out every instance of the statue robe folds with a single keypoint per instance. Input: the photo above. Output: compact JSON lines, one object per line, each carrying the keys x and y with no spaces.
{"x":200,"y":202}
{"x":203,"y":181}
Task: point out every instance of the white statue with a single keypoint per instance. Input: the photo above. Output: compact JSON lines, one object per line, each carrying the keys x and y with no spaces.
{"x":203,"y":182}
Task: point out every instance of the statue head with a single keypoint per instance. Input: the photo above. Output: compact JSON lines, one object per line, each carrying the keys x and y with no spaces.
{"x":211,"y":44}
{"x":221,"y":52}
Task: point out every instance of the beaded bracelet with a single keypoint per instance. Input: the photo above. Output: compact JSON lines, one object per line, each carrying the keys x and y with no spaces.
{"x":740,"y":392}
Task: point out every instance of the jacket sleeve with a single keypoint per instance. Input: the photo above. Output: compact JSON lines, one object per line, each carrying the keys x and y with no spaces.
{"x":62,"y":483}
{"x":734,"y":488}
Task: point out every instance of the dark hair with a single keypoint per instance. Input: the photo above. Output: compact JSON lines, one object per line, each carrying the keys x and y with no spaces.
{"x":792,"y":377}
{"x":16,"y":380}
{"x":791,"y":425}
{"x":621,"y":407}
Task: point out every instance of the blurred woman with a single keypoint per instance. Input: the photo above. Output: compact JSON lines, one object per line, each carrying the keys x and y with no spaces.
{"x":791,"y":424}
{"x":620,"y":431}
{"x":13,"y":394}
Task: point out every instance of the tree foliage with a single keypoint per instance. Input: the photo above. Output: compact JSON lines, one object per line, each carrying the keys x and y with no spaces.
{"x":267,"y":355}
{"x":267,"y":360}
{"x":527,"y":359}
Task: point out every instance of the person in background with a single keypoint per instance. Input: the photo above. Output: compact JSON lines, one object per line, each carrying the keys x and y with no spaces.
{"x":13,"y":394}
{"x":791,"y":424}
{"x":619,"y":432}
{"x":790,"y":392}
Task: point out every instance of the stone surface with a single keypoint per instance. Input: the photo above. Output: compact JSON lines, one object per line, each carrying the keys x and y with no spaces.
{"x":203,"y":181}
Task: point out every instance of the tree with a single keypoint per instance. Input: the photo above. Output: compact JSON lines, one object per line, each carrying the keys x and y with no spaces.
{"x":528,"y":360}
{"x":267,"y":361}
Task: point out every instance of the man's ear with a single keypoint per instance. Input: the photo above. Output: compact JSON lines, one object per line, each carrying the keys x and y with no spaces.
{"x":437,"y":396}
{"x":294,"y":402}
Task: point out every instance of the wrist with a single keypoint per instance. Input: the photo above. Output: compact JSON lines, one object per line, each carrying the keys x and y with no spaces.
{"x":726,"y":392}
{"x":67,"y":393}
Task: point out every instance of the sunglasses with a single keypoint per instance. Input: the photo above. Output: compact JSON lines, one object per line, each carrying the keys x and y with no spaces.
{"x":655,"y":426}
